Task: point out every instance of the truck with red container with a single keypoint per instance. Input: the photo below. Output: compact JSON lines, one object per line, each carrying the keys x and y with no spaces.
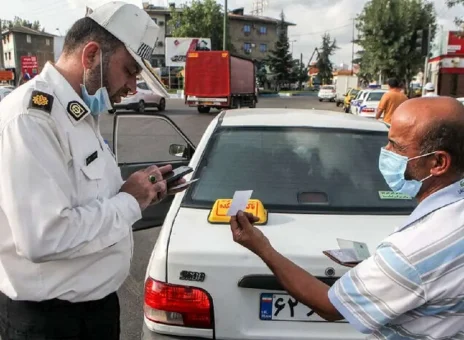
{"x":217,"y":79}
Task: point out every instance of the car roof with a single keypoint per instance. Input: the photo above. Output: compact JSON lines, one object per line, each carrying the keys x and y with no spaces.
{"x":299,"y":118}
{"x":378,"y":91}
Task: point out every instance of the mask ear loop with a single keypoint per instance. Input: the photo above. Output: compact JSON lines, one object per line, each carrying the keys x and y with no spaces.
{"x":101,"y":68}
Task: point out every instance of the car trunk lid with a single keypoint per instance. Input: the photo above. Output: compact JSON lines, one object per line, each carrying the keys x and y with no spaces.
{"x":244,"y":291}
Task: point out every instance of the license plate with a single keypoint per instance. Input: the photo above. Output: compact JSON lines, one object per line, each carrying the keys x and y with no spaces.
{"x":207,"y":103}
{"x":282,"y":307}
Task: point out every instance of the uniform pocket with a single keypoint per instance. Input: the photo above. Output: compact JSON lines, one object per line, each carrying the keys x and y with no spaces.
{"x":95,"y":170}
{"x":93,"y":183}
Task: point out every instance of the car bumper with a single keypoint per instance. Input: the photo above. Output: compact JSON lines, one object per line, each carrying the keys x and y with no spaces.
{"x":150,"y":335}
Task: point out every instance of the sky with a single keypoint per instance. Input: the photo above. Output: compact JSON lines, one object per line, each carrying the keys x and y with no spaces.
{"x":312,"y":18}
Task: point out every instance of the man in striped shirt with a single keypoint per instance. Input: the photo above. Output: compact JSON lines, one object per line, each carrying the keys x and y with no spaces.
{"x":412,"y":287}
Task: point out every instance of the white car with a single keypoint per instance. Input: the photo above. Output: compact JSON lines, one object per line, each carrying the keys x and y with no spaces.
{"x":461,"y":100}
{"x":356,"y":102}
{"x":368,"y":107}
{"x":143,"y":98}
{"x":4,"y":91}
{"x":315,"y":172}
{"x":327,"y":92}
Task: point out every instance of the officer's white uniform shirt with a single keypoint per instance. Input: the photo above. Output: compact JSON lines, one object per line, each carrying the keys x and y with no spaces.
{"x":430,"y":94}
{"x":65,"y":230}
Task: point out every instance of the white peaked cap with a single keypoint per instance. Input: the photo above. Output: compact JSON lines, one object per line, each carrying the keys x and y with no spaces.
{"x":136,"y":30}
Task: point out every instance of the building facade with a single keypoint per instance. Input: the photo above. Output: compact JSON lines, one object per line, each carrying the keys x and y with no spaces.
{"x":18,"y":42}
{"x":161,"y":16}
{"x":253,"y":36}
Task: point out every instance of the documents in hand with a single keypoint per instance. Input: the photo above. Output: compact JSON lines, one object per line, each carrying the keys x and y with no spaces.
{"x":239,"y":202}
{"x":350,"y":253}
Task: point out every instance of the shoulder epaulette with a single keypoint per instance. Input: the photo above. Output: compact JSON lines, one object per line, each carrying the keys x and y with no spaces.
{"x":41,"y":101}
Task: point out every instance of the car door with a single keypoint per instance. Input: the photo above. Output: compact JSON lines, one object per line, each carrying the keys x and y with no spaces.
{"x":148,"y":95}
{"x":139,"y":141}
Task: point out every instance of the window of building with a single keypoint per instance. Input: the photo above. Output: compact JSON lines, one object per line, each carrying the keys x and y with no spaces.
{"x":28,"y":38}
{"x":263,"y":30}
{"x":155,"y":20}
{"x":247,"y":29}
{"x":247,"y":47}
{"x":47,"y":42}
{"x":263,"y":48}
{"x":9,"y":55}
{"x":6,"y":56}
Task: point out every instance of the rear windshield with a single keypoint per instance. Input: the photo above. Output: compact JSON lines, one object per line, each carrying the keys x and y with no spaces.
{"x":327,"y":87}
{"x":297,"y":170}
{"x":375,"y":96}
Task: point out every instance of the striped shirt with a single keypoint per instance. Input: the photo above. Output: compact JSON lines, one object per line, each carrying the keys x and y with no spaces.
{"x":413,"y":286}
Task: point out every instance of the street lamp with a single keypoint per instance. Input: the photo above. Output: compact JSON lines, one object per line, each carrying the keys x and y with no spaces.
{"x":224,"y":38}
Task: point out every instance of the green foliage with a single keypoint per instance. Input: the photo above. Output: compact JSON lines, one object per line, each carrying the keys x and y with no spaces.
{"x":324,"y":65}
{"x":280,"y":59}
{"x":299,"y":73}
{"x":202,"y":19}
{"x":452,"y":3}
{"x":17,"y":21}
{"x":388,"y":35}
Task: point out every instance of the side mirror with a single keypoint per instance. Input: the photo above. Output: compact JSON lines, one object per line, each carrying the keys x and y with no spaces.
{"x":177,"y":150}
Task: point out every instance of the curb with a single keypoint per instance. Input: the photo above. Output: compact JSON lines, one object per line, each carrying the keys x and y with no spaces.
{"x":285,"y":95}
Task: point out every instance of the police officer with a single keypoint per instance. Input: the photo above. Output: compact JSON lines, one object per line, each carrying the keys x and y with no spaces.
{"x":65,"y":212}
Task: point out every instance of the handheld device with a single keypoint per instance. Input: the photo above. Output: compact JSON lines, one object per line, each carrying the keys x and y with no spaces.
{"x":176,"y":174}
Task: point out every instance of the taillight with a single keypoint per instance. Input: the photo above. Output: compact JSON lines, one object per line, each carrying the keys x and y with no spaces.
{"x":367,"y":109}
{"x":177,"y":305}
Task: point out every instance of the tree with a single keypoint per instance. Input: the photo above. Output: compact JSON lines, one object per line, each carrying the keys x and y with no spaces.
{"x":388,"y":33}
{"x":299,"y":73}
{"x":202,"y":19}
{"x":280,"y":59}
{"x":17,"y":22}
{"x":452,"y":3}
{"x":324,"y":65}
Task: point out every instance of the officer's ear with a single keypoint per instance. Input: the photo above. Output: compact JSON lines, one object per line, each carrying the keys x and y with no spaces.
{"x":91,"y":55}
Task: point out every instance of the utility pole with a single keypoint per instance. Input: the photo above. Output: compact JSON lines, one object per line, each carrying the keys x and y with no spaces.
{"x":426,"y":65}
{"x":352,"y":48}
{"x":224,"y":38}
{"x":301,"y":71}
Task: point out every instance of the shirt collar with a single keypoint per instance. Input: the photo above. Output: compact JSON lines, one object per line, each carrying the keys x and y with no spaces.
{"x":75,"y":107}
{"x":438,"y":200}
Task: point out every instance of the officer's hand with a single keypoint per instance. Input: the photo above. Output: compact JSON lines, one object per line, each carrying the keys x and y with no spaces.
{"x":145,"y":192}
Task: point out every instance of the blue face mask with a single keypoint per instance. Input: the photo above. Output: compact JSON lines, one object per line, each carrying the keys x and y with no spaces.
{"x":100,"y":101}
{"x":393,"y":167}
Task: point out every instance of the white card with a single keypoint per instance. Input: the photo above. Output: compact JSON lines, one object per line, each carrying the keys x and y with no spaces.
{"x":184,"y":185}
{"x":344,"y":255}
{"x":239,"y":202}
{"x":360,"y":249}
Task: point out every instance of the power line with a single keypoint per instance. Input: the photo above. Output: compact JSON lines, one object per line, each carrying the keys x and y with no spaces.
{"x":319,"y":32}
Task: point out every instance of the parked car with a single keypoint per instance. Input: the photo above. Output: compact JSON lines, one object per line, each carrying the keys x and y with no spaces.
{"x":4,"y":91}
{"x":355,"y":103}
{"x":199,"y":283}
{"x":461,"y":100}
{"x":368,"y":107}
{"x":327,"y":92}
{"x":143,"y":98}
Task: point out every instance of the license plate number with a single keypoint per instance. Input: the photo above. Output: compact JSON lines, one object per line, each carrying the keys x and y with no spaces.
{"x":282,"y":307}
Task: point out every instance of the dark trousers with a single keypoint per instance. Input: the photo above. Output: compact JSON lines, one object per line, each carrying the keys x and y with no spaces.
{"x":59,"y":320}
